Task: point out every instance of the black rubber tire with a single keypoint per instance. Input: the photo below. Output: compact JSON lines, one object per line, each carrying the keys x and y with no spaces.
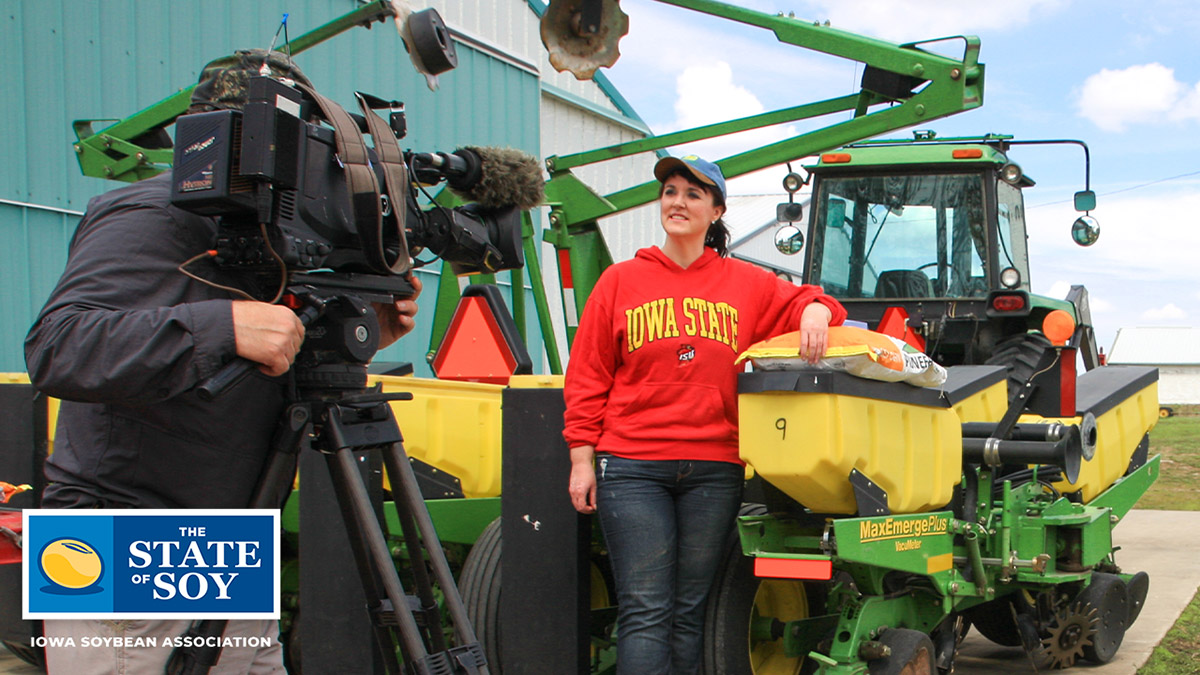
{"x":912,"y":654}
{"x":994,"y":621}
{"x":730,"y":606}
{"x":1021,"y":355}
{"x":1107,"y":593}
{"x":34,"y":656}
{"x":479,"y":585}
{"x":292,"y":662}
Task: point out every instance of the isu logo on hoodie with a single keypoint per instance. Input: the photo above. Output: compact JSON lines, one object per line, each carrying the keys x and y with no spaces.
{"x":692,"y":317}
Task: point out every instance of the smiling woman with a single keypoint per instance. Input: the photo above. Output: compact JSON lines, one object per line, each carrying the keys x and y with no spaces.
{"x":651,"y":414}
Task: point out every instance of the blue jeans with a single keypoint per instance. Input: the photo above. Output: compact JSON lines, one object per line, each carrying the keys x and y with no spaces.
{"x":665,"y":524}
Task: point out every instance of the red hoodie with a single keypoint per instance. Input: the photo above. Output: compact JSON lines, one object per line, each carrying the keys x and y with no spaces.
{"x":651,"y":374}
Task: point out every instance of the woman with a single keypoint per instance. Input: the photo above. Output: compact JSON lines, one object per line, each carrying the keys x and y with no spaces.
{"x":651,"y":419}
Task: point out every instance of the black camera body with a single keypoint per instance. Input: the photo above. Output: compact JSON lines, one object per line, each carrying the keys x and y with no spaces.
{"x":274,"y":164}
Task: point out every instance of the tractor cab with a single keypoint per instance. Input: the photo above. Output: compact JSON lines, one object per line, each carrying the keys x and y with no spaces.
{"x":933,"y":228}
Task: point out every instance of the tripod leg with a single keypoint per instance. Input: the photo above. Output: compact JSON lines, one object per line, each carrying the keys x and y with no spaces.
{"x":375,"y":561}
{"x":273,"y":487}
{"x":407,"y":495}
{"x":415,"y":545}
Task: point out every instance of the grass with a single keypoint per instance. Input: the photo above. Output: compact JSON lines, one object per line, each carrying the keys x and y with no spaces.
{"x":1177,"y":439}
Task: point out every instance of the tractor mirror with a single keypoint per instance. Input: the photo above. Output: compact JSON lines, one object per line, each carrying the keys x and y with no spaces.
{"x":1085,"y":200}
{"x":1085,"y":231}
{"x":789,"y":212}
{"x":789,"y":240}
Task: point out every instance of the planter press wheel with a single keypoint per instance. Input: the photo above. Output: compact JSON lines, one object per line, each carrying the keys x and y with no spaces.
{"x":745,"y":615}
{"x":912,"y":654}
{"x":994,"y":620}
{"x":1108,"y":595}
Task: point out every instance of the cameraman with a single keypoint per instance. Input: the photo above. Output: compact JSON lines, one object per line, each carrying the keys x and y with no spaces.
{"x":124,"y":339}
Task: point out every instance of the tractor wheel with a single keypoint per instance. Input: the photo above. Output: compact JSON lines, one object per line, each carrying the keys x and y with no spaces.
{"x":34,"y":656}
{"x":1164,"y":411}
{"x":479,"y":584}
{"x":1108,"y":595}
{"x":912,"y":654}
{"x":1021,"y":354}
{"x":745,"y":615}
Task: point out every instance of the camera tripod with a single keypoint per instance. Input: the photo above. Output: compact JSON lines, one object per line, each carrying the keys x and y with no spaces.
{"x":334,"y":413}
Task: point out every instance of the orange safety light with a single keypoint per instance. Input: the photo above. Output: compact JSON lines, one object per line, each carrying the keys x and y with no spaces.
{"x":1058,"y":327}
{"x":793,"y":568}
{"x":836,"y":157}
{"x":967,"y":153}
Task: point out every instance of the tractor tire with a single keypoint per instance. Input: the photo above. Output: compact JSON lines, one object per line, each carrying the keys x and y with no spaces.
{"x":994,"y":621}
{"x":1021,"y":355}
{"x":1107,"y":594}
{"x":912,"y":654}
{"x":479,"y":584}
{"x":34,"y":656}
{"x":736,"y":600}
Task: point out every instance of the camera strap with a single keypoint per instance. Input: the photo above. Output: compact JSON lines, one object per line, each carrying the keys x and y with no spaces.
{"x":365,"y":206}
{"x":395,"y":174}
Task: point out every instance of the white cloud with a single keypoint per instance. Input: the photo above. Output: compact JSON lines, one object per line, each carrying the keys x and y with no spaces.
{"x":706,"y":93}
{"x":1147,"y":94}
{"x":1167,"y":312}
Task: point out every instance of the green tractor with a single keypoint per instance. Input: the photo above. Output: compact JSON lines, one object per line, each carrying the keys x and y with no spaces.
{"x":926,"y":239}
{"x":894,"y":517}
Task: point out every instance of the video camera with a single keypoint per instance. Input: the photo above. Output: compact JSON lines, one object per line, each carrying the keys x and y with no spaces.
{"x":283,"y":166}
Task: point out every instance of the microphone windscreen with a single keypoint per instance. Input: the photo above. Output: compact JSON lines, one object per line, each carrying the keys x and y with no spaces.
{"x":509,"y":178}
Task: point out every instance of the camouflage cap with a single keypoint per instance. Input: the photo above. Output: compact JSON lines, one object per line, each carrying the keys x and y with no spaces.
{"x":225,"y":82}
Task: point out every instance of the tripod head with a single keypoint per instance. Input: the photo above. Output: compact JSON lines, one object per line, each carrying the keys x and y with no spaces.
{"x":341,"y":331}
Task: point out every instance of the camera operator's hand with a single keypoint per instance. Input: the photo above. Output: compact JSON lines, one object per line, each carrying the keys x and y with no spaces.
{"x":267,"y":334}
{"x":398,"y":318}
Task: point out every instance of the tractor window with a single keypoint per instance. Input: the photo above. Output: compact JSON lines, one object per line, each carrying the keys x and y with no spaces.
{"x":1013,"y":248}
{"x":901,"y":236}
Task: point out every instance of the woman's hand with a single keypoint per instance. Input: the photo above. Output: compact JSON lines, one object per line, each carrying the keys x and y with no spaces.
{"x":582,"y":485}
{"x":814,"y":331}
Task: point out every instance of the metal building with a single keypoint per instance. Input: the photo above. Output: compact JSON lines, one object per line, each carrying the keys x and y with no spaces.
{"x":93,"y":60}
{"x":1173,"y":349}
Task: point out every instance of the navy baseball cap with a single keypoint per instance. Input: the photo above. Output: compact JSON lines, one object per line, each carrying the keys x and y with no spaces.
{"x":706,"y":172}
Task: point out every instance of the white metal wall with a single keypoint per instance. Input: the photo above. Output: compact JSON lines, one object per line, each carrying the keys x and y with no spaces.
{"x":1178,"y":384}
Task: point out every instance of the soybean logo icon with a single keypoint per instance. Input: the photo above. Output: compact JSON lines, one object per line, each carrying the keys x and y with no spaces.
{"x":72,"y":566}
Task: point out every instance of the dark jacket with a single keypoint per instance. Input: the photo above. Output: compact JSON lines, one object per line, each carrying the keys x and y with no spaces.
{"x":123,"y":340}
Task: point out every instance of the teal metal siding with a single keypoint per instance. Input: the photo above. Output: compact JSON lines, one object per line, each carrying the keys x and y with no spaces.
{"x":65,"y":60}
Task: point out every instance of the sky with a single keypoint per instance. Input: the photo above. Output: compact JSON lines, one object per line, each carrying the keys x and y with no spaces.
{"x":1122,"y":77}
